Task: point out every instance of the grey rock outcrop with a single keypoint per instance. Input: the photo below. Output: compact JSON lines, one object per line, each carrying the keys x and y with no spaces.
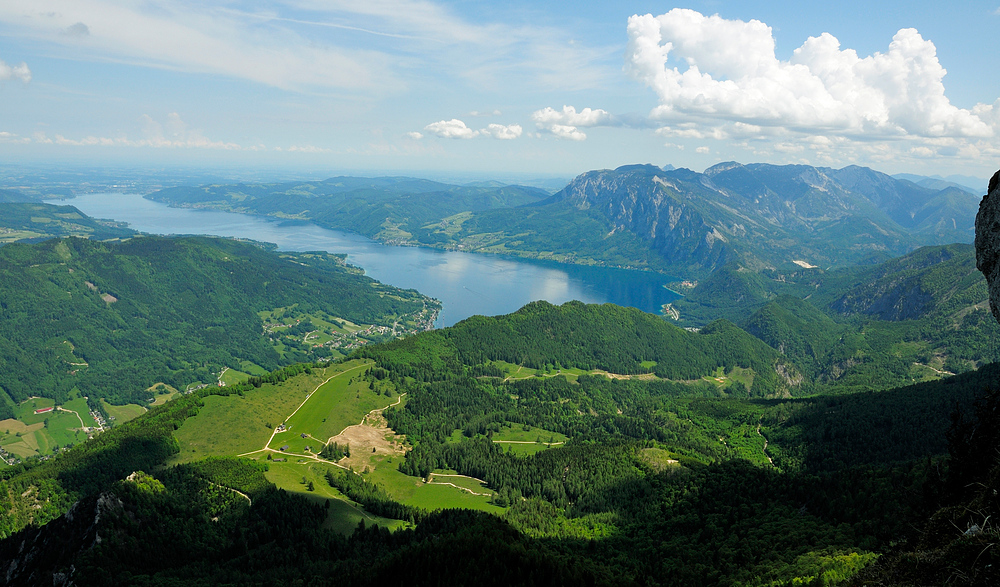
{"x":988,"y":242}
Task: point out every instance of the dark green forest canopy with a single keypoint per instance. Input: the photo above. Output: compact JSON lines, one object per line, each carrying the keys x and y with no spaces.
{"x":586,"y":336}
{"x":921,"y":316}
{"x":114,"y":318}
{"x":851,"y":474}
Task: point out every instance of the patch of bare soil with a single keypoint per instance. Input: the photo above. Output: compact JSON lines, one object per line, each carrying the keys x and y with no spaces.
{"x":641,"y":376}
{"x":372,"y":437}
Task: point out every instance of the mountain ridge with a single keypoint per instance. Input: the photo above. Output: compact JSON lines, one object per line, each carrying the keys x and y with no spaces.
{"x":640,"y":216}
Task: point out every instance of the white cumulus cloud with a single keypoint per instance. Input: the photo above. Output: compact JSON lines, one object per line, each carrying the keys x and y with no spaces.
{"x":457,"y":129}
{"x":502,"y":131}
{"x":566,"y":123}
{"x":720,"y":71}
{"x":451,"y":129}
{"x":20,"y":72}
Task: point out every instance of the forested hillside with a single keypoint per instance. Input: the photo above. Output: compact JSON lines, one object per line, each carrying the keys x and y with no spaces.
{"x":112,"y":319}
{"x":659,"y":481}
{"x":922,"y":315}
{"x":37,"y":222}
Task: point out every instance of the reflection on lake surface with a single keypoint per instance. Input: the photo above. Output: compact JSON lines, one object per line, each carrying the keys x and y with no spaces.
{"x":466,"y":283}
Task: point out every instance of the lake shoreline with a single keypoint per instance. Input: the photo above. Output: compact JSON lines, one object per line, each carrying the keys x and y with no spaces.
{"x":466,"y":283}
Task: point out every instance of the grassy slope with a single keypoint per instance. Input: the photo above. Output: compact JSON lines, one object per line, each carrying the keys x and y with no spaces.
{"x":233,"y":425}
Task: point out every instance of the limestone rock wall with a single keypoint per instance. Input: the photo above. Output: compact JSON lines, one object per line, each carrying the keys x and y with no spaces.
{"x":988,"y":242}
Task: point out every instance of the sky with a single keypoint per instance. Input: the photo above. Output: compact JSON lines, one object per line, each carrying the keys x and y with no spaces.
{"x":495,"y":90}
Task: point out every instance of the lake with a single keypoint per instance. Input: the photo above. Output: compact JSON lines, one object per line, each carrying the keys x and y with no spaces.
{"x":466,"y":283}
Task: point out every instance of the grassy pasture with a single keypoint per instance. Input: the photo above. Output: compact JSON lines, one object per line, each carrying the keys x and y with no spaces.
{"x":413,"y":491}
{"x":162,"y":398}
{"x":294,"y":441}
{"x":27,"y":440}
{"x":79,"y":405}
{"x":252,"y":368}
{"x":25,"y":411}
{"x":338,"y":404}
{"x":123,"y":413}
{"x":343,"y":515}
{"x":232,"y":377}
{"x":524,"y":443}
{"x":62,"y":430}
{"x":234,"y":424}
{"x":532,"y":434}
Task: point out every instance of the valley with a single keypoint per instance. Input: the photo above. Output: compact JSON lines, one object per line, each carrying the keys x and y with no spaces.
{"x":670,"y":220}
{"x":245,"y":403}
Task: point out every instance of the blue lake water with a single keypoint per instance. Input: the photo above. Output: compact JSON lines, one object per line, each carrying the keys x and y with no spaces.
{"x":466,"y":283}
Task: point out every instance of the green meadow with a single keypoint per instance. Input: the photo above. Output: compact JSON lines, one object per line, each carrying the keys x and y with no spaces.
{"x":430,"y":496}
{"x":343,"y":515}
{"x":123,"y":413}
{"x":341,"y":402}
{"x":234,"y":424}
{"x":527,"y":440}
{"x":338,"y":397}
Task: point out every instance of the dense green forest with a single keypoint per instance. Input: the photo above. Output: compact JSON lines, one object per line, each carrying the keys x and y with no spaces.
{"x":917,"y":317}
{"x":661,"y":482}
{"x":110,"y":319}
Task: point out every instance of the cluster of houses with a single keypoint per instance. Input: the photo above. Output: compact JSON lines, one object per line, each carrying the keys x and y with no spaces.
{"x":99,"y":418}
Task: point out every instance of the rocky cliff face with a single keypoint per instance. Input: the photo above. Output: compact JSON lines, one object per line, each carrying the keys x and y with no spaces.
{"x":988,"y":242}
{"x":642,"y":200}
{"x":770,"y":216}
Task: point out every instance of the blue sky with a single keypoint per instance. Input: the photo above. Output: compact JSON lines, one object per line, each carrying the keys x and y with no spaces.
{"x":500,"y":89}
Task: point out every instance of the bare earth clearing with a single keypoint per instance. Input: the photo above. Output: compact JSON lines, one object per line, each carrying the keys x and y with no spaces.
{"x":372,"y":436}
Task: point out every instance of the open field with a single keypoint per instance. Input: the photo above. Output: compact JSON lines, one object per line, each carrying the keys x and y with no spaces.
{"x":123,"y":413}
{"x":25,"y":412}
{"x":234,"y":424}
{"x":344,"y":515}
{"x":433,"y":496}
{"x":34,"y":434}
{"x":252,"y":368}
{"x":162,"y":398}
{"x":518,"y":433}
{"x":340,"y":403}
{"x":516,"y":440}
{"x":79,"y":405}
{"x":330,"y":403}
{"x":232,"y":377}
